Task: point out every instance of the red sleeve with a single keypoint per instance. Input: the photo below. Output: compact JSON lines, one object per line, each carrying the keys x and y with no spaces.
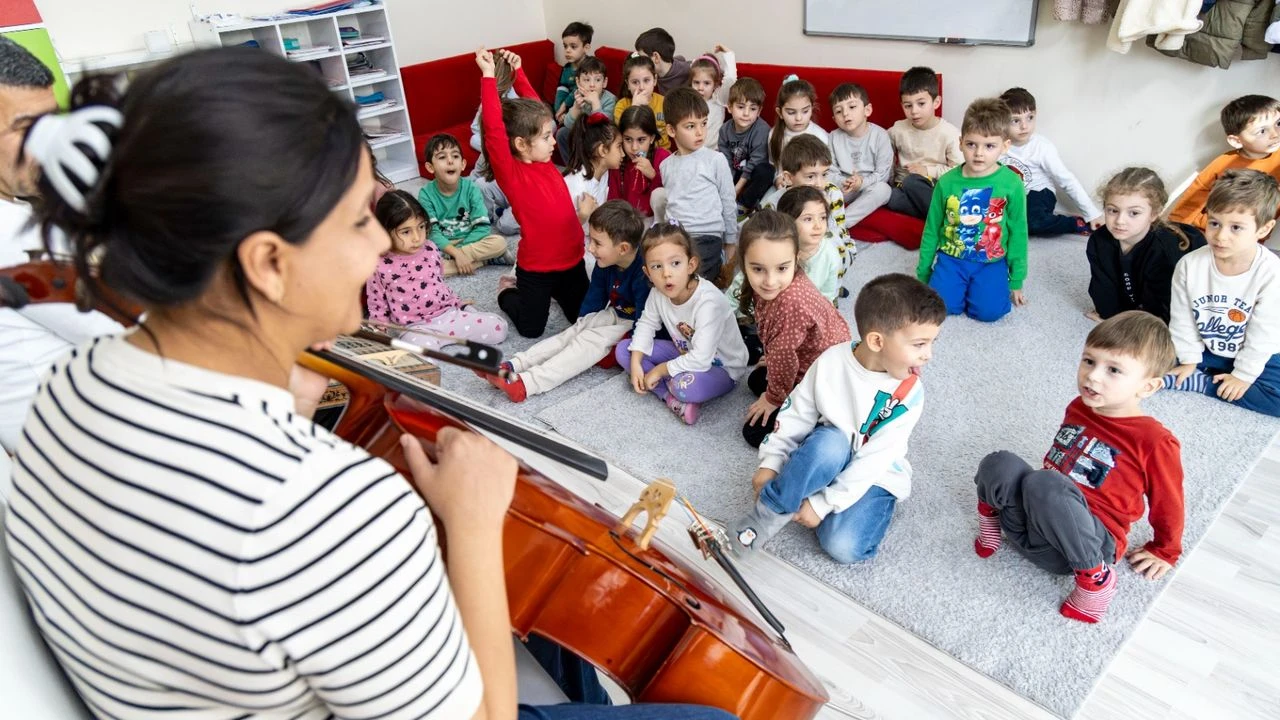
{"x":496,"y":147}
{"x":781,"y":343}
{"x":522,"y":86}
{"x":1164,"y":499}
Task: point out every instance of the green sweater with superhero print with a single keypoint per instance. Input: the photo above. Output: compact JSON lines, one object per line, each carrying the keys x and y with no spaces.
{"x":977,"y":219}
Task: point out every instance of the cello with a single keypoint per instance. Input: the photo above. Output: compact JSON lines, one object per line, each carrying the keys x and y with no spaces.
{"x":661,"y":627}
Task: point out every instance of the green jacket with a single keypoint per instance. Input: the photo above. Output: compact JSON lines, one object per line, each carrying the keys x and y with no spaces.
{"x":1230,"y":25}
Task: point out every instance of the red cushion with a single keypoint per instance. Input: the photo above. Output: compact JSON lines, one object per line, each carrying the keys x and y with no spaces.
{"x":885,"y":224}
{"x":443,"y":94}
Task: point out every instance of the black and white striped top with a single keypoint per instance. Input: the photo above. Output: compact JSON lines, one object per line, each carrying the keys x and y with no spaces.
{"x":192,"y":549}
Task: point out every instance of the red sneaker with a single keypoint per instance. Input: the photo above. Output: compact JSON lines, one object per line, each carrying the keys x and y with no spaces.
{"x":514,"y":389}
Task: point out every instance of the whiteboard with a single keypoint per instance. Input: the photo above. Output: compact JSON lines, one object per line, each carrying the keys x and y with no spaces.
{"x":952,"y":22}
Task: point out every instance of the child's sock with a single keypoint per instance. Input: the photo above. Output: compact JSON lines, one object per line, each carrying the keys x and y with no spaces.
{"x":514,"y":389}
{"x":989,"y":539}
{"x":757,"y":527}
{"x":1092,"y":594}
{"x":1196,"y":382}
{"x":686,"y":411}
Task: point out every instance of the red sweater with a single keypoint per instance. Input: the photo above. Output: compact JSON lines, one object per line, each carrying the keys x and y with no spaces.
{"x":795,"y":328}
{"x":550,"y":234}
{"x":1117,"y":461}
{"x":628,"y":183}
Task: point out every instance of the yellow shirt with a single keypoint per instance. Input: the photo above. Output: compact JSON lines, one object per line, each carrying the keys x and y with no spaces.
{"x":655,"y":104}
{"x":1190,"y":207}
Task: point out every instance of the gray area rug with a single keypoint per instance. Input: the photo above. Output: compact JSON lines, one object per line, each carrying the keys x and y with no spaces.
{"x":998,"y":386}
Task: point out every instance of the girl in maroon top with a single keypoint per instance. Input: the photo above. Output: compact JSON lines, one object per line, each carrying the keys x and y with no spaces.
{"x":795,"y":321}
{"x":518,"y":145}
{"x":639,"y":181}
{"x":408,"y":288}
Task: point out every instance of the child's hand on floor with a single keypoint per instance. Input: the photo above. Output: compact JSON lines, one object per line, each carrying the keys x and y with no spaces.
{"x":807,"y":517}
{"x":1230,"y":387}
{"x":758,"y":412}
{"x":484,"y":59}
{"x":1148,"y":565}
{"x":1182,"y":372}
{"x":1017,"y":297}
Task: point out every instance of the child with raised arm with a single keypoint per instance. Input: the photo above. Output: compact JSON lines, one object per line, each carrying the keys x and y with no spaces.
{"x":705,"y":357}
{"x":576,"y":41}
{"x":1132,"y":256}
{"x":408,"y":287}
{"x":805,"y":162}
{"x":796,"y":323}
{"x":455,"y":206}
{"x":744,"y":142}
{"x":927,"y":146}
{"x":861,"y":154}
{"x":518,"y":144}
{"x":711,"y":76}
{"x":639,"y":83}
{"x":1225,"y":313}
{"x":974,"y":247}
{"x":699,"y":184}
{"x":837,"y":462}
{"x":1073,"y":516}
{"x":1037,"y":162}
{"x":672,"y":70}
{"x":619,"y":289}
{"x":589,"y":97}
{"x":1252,"y":125}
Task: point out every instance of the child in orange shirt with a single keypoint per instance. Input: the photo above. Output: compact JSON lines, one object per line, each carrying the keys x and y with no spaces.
{"x":1252,"y":124}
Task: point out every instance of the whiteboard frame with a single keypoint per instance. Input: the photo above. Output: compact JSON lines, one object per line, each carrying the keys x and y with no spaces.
{"x":966,"y":42}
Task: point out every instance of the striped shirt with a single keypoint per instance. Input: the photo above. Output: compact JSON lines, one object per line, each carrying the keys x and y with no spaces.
{"x":192,"y":548}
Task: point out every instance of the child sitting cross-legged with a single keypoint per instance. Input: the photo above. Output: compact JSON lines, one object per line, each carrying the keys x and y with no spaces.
{"x":927,"y":146}
{"x":408,"y":287}
{"x":619,"y":289}
{"x":744,"y":142}
{"x":1073,"y":516}
{"x":805,"y":162}
{"x":705,"y":357}
{"x":455,"y":206}
{"x":795,"y":322}
{"x":977,"y":226}
{"x":861,"y":152}
{"x":576,"y":41}
{"x":837,"y":461}
{"x":1252,"y":125}
{"x":1225,"y":311}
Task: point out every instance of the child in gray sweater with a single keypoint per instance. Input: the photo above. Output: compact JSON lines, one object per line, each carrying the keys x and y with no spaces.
{"x":700,"y":195}
{"x":861,"y":152}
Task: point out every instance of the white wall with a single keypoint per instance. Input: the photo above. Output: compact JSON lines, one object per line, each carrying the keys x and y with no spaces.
{"x":424,"y":29}
{"x":1103,"y":110}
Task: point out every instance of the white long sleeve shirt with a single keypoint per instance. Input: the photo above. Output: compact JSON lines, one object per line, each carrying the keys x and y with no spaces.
{"x":1231,"y":316}
{"x":703,"y":328}
{"x":719,"y":102}
{"x":1041,"y":168}
{"x":837,"y":390}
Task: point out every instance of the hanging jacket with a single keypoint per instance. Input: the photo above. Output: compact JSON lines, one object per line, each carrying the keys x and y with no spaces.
{"x":1169,"y":20}
{"x":1230,"y":25}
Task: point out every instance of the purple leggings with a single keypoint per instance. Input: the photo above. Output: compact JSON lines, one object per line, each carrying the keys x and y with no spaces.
{"x":694,"y":387}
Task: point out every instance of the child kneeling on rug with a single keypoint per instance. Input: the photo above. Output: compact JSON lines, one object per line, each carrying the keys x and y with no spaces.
{"x":837,"y":461}
{"x":1073,"y":516}
{"x":618,"y":291}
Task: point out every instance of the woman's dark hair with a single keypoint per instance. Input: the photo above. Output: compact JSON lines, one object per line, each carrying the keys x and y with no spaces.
{"x":763,"y":225}
{"x":216,"y":145}
{"x":397,"y":206}
{"x":585,"y":138}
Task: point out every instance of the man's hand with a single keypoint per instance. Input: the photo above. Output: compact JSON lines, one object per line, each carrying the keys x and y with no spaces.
{"x":1230,"y":387}
{"x":1148,"y":565}
{"x":806,"y":516}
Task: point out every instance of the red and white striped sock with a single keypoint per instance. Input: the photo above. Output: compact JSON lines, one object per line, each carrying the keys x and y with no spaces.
{"x":1091,"y":596}
{"x":988,"y":540}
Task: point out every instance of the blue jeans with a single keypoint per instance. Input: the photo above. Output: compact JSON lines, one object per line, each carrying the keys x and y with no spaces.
{"x":1262,"y":396}
{"x":977,"y":289}
{"x":578,"y":679}
{"x":849,"y":536}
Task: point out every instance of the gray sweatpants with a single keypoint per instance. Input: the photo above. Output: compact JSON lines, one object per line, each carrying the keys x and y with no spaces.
{"x":1043,"y":515}
{"x":866,"y":200}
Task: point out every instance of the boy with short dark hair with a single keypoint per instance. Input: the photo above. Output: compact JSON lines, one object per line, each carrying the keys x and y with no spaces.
{"x":1252,"y":125}
{"x":699,"y":183}
{"x":927,"y":145}
{"x":1037,"y":162}
{"x":808,"y":164}
{"x":862,"y":153}
{"x":455,"y":206}
{"x":1073,"y":516}
{"x":744,"y":142}
{"x":589,"y":97}
{"x":673,"y":70}
{"x":977,"y":224}
{"x":837,"y":459}
{"x":618,"y":291}
{"x":576,"y":41}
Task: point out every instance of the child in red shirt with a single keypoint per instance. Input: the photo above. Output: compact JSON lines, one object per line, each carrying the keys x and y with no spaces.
{"x":518,"y":145}
{"x":1074,"y":515}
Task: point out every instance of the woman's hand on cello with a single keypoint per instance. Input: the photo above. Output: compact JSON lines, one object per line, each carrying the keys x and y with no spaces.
{"x":472,"y":480}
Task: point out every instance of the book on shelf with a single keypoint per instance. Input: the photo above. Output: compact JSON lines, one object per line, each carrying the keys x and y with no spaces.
{"x":382,"y":133}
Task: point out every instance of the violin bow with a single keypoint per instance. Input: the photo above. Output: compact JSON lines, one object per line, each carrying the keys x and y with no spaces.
{"x":474,"y":356}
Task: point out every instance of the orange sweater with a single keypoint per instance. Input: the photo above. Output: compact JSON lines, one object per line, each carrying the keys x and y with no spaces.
{"x":1190,"y":207}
